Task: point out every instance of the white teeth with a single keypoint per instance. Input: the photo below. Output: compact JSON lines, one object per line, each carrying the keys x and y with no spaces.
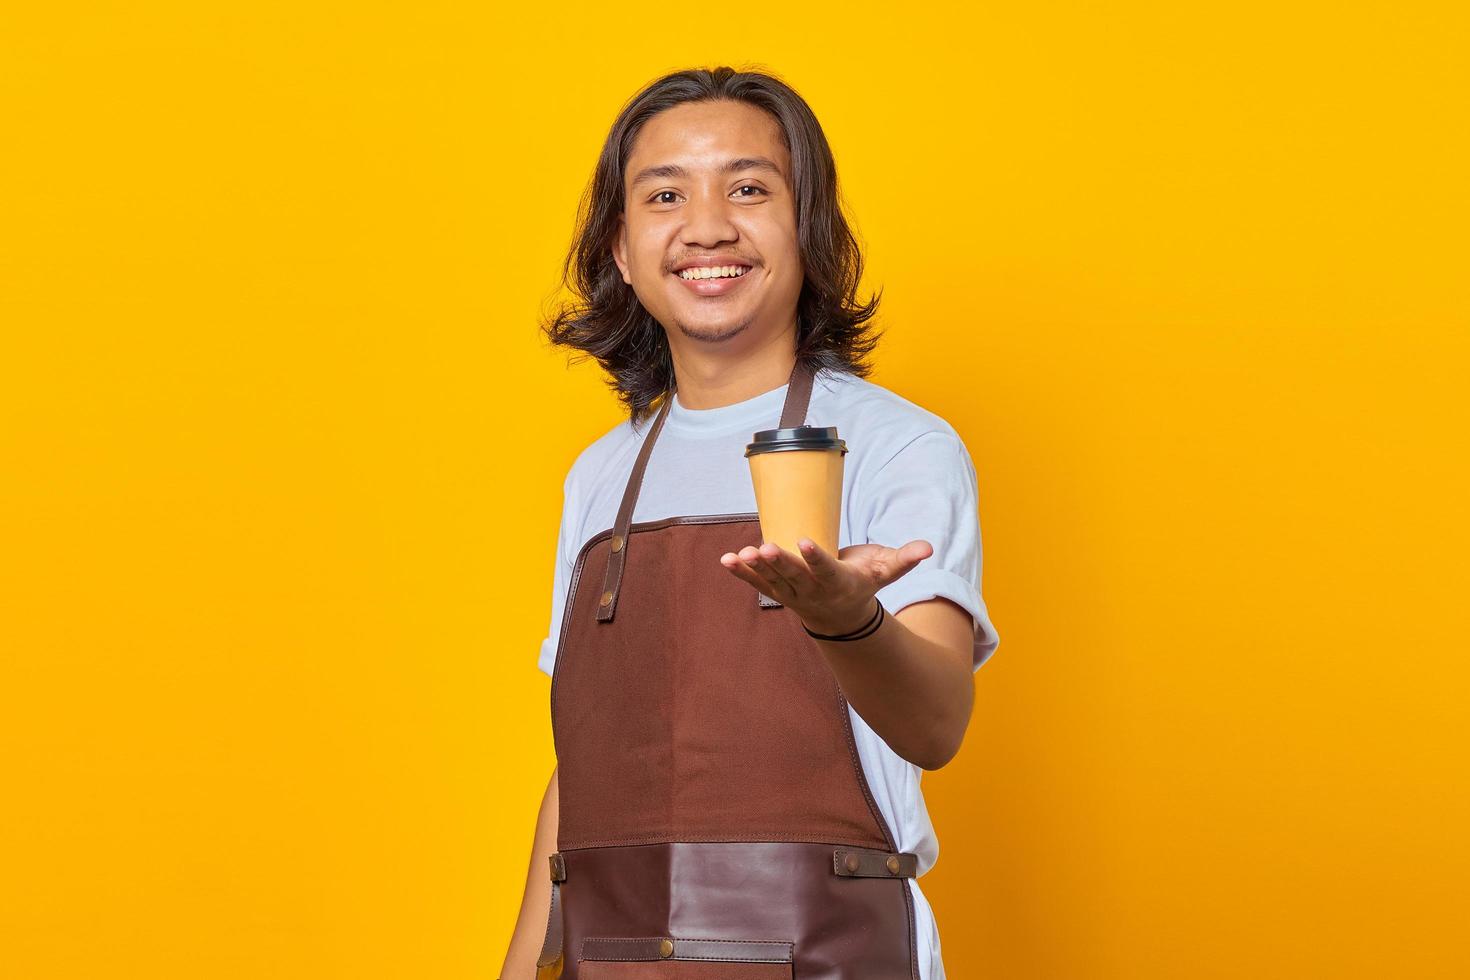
{"x":713,"y":272}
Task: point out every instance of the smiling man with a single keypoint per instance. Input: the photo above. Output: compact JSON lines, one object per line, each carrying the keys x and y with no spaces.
{"x":740,"y":730}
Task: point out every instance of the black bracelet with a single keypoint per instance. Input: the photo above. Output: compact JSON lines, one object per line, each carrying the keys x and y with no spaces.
{"x":866,"y":630}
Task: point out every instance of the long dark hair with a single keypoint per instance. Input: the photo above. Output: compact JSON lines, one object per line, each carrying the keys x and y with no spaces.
{"x":606,"y":321}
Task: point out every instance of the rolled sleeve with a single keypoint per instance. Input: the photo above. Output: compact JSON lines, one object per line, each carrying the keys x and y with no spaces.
{"x":928,"y":491}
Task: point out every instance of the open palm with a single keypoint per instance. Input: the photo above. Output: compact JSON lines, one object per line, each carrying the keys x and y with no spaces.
{"x":830,"y":593}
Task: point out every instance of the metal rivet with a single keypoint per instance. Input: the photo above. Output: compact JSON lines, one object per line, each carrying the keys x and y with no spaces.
{"x":666,"y":948}
{"x":607,"y":598}
{"x":851,"y":863}
{"x":617,"y":543}
{"x":892,"y":864}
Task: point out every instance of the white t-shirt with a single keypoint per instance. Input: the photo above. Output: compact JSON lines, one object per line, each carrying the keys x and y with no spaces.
{"x":906,"y":475}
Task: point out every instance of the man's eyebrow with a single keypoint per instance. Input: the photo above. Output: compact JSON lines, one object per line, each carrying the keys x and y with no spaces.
{"x":666,"y":170}
{"x":751,"y":163}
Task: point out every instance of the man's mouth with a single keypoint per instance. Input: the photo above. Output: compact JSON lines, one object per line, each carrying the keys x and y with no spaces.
{"x":713,"y":272}
{"x":710,"y":281}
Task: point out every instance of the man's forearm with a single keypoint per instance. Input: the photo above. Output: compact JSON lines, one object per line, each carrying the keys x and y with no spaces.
{"x":530,"y":928}
{"x":911,"y":680}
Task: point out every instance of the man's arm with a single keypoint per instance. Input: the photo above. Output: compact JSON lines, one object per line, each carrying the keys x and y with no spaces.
{"x":911,"y":680}
{"x":530,"y":930}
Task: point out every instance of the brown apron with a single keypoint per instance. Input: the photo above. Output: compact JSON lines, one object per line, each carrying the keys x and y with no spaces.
{"x":715,"y":823}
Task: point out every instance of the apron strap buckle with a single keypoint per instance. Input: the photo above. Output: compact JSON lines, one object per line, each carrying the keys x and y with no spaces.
{"x":849,"y":862}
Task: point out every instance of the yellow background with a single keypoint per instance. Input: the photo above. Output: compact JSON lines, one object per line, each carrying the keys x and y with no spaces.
{"x":283,"y":450}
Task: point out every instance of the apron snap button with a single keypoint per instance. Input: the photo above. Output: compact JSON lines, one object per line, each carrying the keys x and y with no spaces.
{"x":607,"y":598}
{"x":666,"y":948}
{"x":851,"y":863}
{"x":617,"y":543}
{"x":892,"y":864}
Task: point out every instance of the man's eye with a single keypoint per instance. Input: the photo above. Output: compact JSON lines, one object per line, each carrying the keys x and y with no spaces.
{"x":750,"y":187}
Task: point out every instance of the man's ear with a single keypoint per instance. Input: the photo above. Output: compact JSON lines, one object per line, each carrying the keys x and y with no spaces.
{"x":620,"y":249}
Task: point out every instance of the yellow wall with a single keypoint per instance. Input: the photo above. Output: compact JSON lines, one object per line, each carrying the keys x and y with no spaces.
{"x":1190,"y":281}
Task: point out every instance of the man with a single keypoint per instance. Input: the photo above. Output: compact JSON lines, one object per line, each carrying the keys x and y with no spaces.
{"x":737,"y":777}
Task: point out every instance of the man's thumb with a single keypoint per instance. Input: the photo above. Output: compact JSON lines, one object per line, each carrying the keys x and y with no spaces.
{"x":903,"y":560}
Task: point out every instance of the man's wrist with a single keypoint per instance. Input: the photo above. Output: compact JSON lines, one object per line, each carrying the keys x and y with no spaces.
{"x":849,"y":624}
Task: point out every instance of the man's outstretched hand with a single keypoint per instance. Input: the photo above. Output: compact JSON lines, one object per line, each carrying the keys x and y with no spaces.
{"x":830,"y":594}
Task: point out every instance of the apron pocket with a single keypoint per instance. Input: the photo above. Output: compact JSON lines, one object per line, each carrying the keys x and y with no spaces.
{"x":665,"y":958}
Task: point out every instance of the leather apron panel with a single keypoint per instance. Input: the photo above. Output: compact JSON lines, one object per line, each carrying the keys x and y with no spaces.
{"x":840,"y":928}
{"x":673,"y":970}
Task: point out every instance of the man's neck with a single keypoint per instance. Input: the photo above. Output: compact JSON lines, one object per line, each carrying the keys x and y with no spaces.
{"x":708,"y":380}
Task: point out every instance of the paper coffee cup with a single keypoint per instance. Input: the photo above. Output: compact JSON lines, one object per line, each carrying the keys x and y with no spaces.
{"x":797,"y":475}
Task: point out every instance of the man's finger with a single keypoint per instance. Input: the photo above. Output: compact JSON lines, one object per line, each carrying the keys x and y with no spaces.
{"x":781,"y":566}
{"x":736,"y":566}
{"x":761,"y":567}
{"x":823,"y":565}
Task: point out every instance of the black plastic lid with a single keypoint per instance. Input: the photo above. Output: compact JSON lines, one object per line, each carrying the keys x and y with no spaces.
{"x":801,"y":437}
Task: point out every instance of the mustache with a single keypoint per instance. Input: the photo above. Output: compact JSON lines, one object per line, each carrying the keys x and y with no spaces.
{"x":700,"y":260}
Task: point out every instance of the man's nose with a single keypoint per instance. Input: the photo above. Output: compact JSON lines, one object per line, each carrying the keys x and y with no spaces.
{"x":708,"y":221}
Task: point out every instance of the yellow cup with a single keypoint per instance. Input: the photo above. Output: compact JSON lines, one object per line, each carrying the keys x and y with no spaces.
{"x":797,"y":475}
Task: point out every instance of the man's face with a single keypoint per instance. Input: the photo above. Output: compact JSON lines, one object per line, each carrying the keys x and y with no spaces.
{"x":707,"y":186}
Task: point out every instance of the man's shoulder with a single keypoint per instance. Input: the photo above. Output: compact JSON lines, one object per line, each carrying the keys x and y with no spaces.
{"x":879,"y":416}
{"x":604,"y":452}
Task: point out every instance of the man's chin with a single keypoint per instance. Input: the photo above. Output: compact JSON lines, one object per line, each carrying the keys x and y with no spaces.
{"x":711,"y":333}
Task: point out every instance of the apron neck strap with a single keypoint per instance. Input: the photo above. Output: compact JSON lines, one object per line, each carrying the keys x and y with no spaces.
{"x":793,"y":414}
